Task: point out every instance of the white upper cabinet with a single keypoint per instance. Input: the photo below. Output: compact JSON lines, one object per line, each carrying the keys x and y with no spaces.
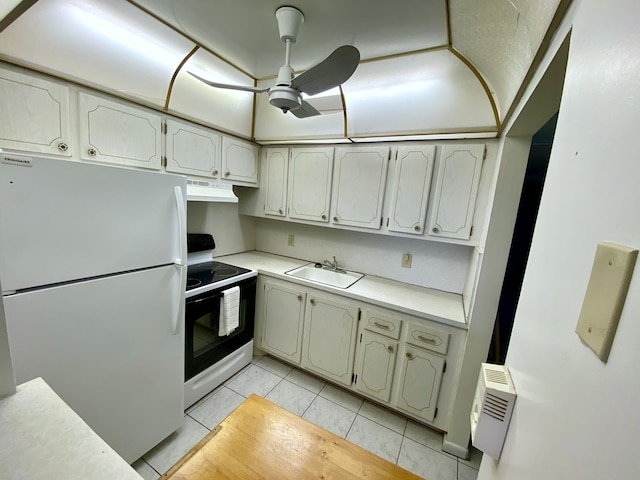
{"x":310,"y":171}
{"x":410,"y":190}
{"x":358,"y":186}
{"x":239,"y":161}
{"x":192,"y":150}
{"x":35,"y":114}
{"x":115,"y":133}
{"x":276,"y":166}
{"x":456,"y":189}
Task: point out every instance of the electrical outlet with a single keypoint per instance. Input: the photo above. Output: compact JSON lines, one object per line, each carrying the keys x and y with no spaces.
{"x":292,"y":240}
{"x":406,"y":260}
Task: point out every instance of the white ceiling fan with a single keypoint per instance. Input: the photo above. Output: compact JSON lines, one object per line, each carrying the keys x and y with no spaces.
{"x":334,"y":70}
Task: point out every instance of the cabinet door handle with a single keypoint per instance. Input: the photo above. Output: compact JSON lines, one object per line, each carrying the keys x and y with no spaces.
{"x":428,"y":340}
{"x":280,"y":211}
{"x":410,"y":355}
{"x":92,"y":152}
{"x":214,"y":172}
{"x":227,"y":173}
{"x":312,"y":301}
{"x":390,"y":348}
{"x":336,"y":219}
{"x":435,"y":230}
{"x":63,"y":147}
{"x":417,"y":228}
{"x":299,"y":298}
{"x":324,"y":217}
{"x":382,"y":325}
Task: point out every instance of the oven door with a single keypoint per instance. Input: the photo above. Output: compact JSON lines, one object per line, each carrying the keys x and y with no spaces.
{"x":203,"y":346}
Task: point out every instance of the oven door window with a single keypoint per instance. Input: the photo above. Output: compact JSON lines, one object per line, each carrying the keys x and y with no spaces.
{"x":206,"y":325}
{"x":203,"y":346}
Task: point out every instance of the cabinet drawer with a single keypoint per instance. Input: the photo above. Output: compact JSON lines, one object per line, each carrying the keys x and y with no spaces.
{"x":428,"y":337}
{"x":381,"y":323}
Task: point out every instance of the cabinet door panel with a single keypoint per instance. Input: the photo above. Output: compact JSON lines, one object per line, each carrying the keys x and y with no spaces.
{"x":239,"y":161}
{"x":310,"y":173}
{"x":116,"y":133}
{"x":456,"y":190}
{"x":35,"y":114}
{"x":358,"y":186}
{"x":283,"y":317}
{"x":276,"y":168}
{"x":192,"y":150}
{"x":329,"y":338}
{"x":411,"y":186}
{"x":419,"y":382}
{"x":377,"y":361}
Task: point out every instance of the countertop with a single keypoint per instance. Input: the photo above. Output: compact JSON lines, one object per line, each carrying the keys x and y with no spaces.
{"x":41,"y":437}
{"x":443,"y":307}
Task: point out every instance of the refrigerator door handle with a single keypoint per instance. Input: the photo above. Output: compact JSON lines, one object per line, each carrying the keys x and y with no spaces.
{"x":182,"y":225}
{"x":178,"y":319}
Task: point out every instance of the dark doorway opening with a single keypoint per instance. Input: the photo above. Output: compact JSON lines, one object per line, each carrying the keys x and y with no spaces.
{"x":521,"y":242}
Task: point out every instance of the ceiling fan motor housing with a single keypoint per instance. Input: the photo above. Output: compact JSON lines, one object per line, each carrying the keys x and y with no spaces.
{"x":289,"y":21}
{"x":285,"y":98}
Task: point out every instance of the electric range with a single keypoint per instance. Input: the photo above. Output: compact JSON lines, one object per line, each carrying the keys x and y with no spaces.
{"x":212,"y":354}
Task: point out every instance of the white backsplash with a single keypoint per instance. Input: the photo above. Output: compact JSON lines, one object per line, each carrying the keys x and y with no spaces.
{"x":233,"y":233}
{"x":434,"y":265}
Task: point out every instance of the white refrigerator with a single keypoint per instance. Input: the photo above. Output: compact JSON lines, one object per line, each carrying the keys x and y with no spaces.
{"x":93,"y":273}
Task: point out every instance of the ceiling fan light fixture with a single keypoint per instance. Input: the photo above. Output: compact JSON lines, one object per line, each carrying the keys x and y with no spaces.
{"x":285,"y":98}
{"x":289,"y":21}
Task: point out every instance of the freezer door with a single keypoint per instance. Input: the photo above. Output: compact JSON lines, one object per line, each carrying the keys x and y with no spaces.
{"x":110,"y":348}
{"x":62,"y":221}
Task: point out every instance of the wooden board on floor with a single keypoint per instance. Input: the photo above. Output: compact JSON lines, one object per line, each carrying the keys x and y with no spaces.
{"x":260,"y":440}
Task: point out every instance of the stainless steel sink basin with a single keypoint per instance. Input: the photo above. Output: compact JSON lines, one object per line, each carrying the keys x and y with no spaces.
{"x":318,"y":274}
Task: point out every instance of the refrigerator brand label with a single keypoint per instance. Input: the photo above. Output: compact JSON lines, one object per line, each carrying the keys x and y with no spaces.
{"x":20,"y":161}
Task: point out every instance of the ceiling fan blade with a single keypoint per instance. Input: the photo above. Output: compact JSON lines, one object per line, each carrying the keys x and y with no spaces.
{"x":229,"y":87}
{"x":334,"y":70}
{"x":305,"y":110}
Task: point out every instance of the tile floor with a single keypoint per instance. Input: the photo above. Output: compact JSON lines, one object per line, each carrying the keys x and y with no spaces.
{"x":381,"y":431}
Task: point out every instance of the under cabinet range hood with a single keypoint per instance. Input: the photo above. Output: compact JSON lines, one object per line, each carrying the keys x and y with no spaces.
{"x":204,"y":191}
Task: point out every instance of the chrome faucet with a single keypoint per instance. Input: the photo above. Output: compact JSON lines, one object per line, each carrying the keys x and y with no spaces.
{"x":331,"y":265}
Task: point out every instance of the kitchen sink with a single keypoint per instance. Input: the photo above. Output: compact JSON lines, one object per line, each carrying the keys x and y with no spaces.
{"x":315,"y":272}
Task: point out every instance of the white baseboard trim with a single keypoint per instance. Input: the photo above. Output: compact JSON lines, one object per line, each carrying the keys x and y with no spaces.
{"x":455,"y":449}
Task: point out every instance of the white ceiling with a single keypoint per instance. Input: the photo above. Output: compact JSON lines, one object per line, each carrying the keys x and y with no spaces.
{"x":245,"y":32}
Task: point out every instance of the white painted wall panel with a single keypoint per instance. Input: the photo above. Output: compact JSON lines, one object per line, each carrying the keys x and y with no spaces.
{"x":228,"y":110}
{"x":575,"y":416}
{"x":428,"y":92}
{"x":98,"y":43}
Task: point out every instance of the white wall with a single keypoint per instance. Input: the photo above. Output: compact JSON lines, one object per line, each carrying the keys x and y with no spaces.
{"x":434,"y":265}
{"x":232,"y":232}
{"x":576,"y":417}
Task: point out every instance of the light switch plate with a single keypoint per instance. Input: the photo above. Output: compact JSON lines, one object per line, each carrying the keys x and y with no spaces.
{"x":606,"y":293}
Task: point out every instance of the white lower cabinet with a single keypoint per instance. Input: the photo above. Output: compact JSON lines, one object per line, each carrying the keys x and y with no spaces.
{"x":330,"y":329}
{"x":377,"y":359}
{"x":418,"y":382}
{"x":393,"y":358}
{"x":284,"y":308}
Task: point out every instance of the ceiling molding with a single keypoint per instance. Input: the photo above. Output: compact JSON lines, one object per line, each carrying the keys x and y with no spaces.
{"x":14,"y":14}
{"x":482,"y":81}
{"x":175,"y":74}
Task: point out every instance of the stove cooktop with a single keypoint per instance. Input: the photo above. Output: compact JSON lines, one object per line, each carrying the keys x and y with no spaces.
{"x":210,"y":273}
